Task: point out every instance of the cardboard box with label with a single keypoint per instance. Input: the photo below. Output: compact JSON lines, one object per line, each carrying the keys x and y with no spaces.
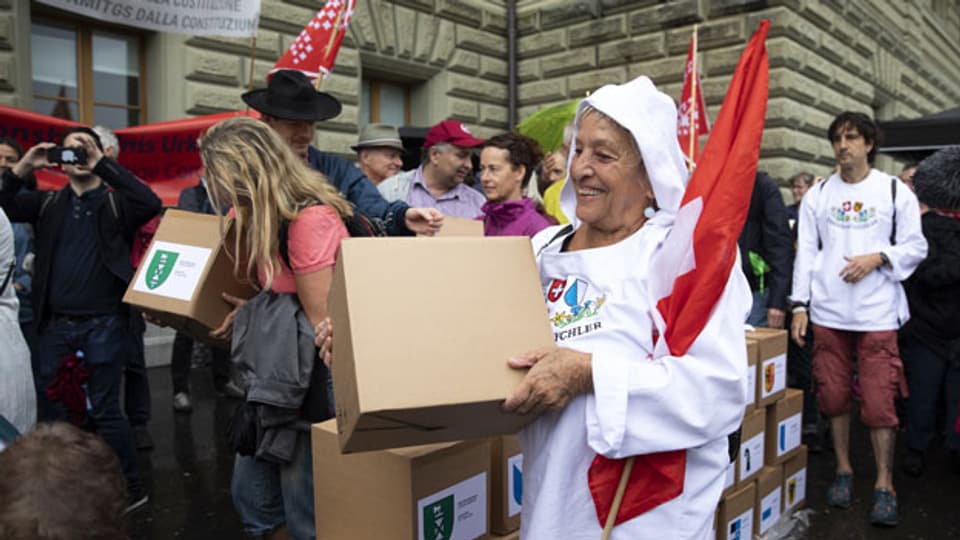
{"x":506,"y":484}
{"x":784,"y":427}
{"x":795,"y":481}
{"x":752,"y":445}
{"x":769,"y":498}
{"x":736,"y":513}
{"x":184,"y":272}
{"x":423,"y":333}
{"x":753,"y":356}
{"x":772,"y":374}
{"x":418,"y":493}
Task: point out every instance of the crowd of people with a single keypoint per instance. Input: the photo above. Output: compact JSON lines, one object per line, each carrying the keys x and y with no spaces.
{"x":860,"y":269}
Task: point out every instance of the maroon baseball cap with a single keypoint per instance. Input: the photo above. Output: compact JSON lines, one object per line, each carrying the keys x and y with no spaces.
{"x":453,"y":132}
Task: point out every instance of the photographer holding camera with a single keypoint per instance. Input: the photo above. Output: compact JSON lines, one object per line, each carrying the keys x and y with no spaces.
{"x":82,"y":267}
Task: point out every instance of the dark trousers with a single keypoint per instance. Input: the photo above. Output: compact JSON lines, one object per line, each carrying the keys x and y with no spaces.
{"x":103,"y":341}
{"x":800,"y":372}
{"x":136,"y":395}
{"x":930,"y":376}
{"x":180,"y":364}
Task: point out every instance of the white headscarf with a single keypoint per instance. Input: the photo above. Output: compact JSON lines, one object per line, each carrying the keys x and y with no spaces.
{"x":651,"y":117}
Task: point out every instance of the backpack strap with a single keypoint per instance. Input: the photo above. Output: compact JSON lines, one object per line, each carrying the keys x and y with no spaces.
{"x":560,"y":234}
{"x":284,"y":239}
{"x":6,"y":280}
{"x":112,"y":201}
{"x":48,"y":198}
{"x":816,"y":224}
{"x":893,"y":197}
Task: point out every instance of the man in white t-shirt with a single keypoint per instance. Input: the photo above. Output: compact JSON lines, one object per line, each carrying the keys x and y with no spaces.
{"x":859,"y":236}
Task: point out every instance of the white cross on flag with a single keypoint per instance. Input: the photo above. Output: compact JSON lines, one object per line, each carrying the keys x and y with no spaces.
{"x":315,"y":49}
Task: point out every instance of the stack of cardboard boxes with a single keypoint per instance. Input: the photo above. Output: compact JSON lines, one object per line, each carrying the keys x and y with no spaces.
{"x":768,"y":478}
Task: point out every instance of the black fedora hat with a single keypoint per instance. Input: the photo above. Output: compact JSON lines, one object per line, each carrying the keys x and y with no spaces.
{"x":291,"y":96}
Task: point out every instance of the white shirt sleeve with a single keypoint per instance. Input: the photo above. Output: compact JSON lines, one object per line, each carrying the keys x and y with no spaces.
{"x":911,"y":246}
{"x":807,"y":247}
{"x":642,"y":406}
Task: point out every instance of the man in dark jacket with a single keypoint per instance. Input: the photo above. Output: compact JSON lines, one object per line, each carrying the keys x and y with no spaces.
{"x":930,"y":341}
{"x":83,"y":237}
{"x":292,"y":107}
{"x":766,"y":250}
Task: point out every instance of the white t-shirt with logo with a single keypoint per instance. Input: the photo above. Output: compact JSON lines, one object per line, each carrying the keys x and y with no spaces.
{"x":857,"y":219}
{"x":598,"y":303}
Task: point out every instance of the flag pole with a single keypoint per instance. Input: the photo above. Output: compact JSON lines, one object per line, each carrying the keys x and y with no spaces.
{"x":617,"y":498}
{"x":693,"y":103}
{"x":333,"y":36}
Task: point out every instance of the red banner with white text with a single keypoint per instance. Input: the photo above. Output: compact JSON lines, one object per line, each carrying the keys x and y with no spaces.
{"x":164,"y":155}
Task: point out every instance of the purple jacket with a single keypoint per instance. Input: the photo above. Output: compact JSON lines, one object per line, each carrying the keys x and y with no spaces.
{"x":512,"y":218}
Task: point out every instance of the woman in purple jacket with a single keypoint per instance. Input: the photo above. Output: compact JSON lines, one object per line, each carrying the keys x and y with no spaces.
{"x":506,"y":163}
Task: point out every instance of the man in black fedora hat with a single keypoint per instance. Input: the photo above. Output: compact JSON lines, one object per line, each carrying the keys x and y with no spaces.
{"x":292,"y":107}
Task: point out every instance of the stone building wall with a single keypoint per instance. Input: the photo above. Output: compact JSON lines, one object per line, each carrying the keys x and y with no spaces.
{"x":889,"y":59}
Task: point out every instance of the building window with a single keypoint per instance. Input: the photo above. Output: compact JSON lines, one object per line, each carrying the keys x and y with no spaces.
{"x":384,"y":103}
{"x":90,"y":75}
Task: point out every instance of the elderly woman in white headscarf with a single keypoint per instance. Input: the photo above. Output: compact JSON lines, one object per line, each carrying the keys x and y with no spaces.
{"x":602,"y":391}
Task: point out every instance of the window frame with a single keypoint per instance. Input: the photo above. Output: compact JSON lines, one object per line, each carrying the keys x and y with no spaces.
{"x":375,"y":99}
{"x":84,"y":31}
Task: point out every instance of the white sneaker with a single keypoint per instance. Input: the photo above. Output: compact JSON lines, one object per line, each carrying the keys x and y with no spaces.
{"x":181,"y":402}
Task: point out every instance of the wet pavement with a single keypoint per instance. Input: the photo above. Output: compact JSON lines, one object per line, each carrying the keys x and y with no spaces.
{"x":189,"y":472}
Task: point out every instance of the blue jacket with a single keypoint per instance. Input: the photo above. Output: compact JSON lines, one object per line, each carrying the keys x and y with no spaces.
{"x":353,"y":185}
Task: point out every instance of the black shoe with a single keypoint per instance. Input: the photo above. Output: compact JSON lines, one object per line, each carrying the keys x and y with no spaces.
{"x":136,"y":499}
{"x":914,"y":463}
{"x":142,"y":438}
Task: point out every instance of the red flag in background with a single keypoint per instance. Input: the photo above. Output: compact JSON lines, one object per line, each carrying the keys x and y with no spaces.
{"x":316,"y":48}
{"x":691,"y":106}
{"x":690,"y":272}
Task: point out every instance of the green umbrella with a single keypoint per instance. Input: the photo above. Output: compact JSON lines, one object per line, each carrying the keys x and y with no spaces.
{"x":546,"y":125}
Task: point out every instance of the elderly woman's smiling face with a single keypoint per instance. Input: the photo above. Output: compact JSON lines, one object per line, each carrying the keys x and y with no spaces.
{"x":609,"y":178}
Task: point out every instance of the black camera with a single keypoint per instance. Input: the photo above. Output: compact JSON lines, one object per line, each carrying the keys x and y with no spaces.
{"x":67,"y":155}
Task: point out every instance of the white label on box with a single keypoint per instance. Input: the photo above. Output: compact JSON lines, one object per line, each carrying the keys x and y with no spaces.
{"x":172,"y":270}
{"x":514,"y":484}
{"x":794,"y":489}
{"x":751,"y":456}
{"x":456,"y":513}
{"x":789,"y":434}
{"x":752,"y":385}
{"x":740,"y":527}
{"x":769,"y":510}
{"x":731,"y":476}
{"x":773,"y":375}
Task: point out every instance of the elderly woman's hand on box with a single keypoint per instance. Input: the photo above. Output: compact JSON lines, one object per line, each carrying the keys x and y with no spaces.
{"x":556,"y":376}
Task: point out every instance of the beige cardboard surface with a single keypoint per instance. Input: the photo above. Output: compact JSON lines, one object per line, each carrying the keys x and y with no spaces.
{"x":769,"y":499}
{"x":421,"y":357}
{"x":512,"y":536}
{"x":752,"y":446}
{"x":736,"y":513}
{"x":784,"y":429}
{"x":753,"y":371}
{"x":453,"y":226}
{"x":795,"y":481}
{"x":506,"y":467}
{"x":772,"y":375}
{"x":204,"y":308}
{"x":375,"y":495}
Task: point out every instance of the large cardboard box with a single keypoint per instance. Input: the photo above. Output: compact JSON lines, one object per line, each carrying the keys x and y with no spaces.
{"x":423,"y":331}
{"x":772,"y":375}
{"x":515,"y":535}
{"x":795,"y":481}
{"x":784,"y":427}
{"x":769,"y":498}
{"x":753,"y":357}
{"x":419,"y":493}
{"x":736,"y":513}
{"x":184,"y":272}
{"x":506,"y":484}
{"x":752,"y":445}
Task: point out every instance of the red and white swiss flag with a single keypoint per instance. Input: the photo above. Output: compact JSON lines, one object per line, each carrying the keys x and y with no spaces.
{"x":691,"y":108}
{"x":315,"y":49}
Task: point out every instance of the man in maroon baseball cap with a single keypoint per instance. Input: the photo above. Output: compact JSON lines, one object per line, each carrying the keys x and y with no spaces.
{"x":438,"y":182}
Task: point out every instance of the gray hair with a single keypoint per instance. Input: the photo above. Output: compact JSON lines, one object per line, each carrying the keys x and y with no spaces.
{"x":441,"y":147}
{"x":108,"y":138}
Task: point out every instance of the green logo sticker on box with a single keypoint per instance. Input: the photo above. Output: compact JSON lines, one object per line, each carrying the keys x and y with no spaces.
{"x":438,"y":519}
{"x":160,"y":267}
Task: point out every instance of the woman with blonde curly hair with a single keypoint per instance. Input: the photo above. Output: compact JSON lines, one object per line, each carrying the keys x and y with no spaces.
{"x":288,"y":228}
